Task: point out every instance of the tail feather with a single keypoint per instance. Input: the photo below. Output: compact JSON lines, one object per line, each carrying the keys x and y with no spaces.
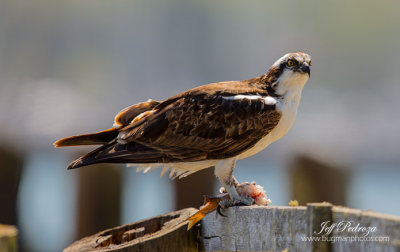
{"x":89,"y":158}
{"x":101,"y":137}
{"x":113,"y":152}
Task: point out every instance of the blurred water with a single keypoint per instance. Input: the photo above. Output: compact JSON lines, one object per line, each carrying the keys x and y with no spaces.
{"x":46,"y":203}
{"x":375,"y":187}
{"x":145,"y":195}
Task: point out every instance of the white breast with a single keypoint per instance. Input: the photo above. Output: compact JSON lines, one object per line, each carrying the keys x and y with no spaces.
{"x":289,"y":111}
{"x":290,"y":88}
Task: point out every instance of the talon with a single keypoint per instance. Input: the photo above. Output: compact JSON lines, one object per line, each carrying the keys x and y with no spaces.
{"x":225,"y":203}
{"x":244,"y":201}
{"x":219,"y":211}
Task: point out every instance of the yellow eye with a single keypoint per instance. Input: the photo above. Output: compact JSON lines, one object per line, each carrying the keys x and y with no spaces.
{"x":290,"y":63}
{"x":310,"y":63}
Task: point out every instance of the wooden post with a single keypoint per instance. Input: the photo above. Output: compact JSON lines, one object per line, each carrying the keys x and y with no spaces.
{"x":8,"y":238}
{"x":166,"y":232}
{"x":253,"y":228}
{"x":279,"y":228}
{"x":317,"y":214}
{"x":256,"y":228}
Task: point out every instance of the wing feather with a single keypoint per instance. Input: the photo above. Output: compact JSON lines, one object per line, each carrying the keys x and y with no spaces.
{"x":205,"y":124}
{"x":199,"y":124}
{"x":125,"y":116}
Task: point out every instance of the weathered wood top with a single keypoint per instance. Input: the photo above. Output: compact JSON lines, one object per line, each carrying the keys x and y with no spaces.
{"x":254,"y":228}
{"x":166,"y":232}
{"x":258,"y":228}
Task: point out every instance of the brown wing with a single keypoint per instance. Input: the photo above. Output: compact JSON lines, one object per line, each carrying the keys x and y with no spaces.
{"x":125,"y":116}
{"x":204,"y":126}
{"x":202,"y":123}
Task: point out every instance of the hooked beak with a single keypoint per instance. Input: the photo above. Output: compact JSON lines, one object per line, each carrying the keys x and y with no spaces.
{"x":305,"y":68}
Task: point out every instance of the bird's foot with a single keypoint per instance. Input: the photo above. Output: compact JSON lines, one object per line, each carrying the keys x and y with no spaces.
{"x":225,"y":203}
{"x":244,"y":201}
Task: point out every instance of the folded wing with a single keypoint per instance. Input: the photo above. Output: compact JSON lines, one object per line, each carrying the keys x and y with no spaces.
{"x":191,"y":128}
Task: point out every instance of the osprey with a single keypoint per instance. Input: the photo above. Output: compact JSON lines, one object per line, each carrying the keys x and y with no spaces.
{"x":210,"y":125}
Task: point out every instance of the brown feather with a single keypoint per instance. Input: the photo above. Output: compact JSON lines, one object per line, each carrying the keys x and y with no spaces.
{"x":195,"y":125}
{"x":125,"y":116}
{"x":195,"y":120}
{"x":101,"y":137}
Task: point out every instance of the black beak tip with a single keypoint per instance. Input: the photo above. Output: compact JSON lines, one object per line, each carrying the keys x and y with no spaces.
{"x":306,"y":69}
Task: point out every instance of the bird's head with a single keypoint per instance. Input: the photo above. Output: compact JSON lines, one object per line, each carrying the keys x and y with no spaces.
{"x":289,"y":73}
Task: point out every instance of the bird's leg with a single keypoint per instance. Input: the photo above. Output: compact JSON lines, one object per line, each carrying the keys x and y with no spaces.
{"x":224,"y":172}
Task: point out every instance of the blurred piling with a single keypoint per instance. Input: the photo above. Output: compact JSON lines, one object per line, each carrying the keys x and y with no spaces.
{"x":10,"y":172}
{"x":99,"y":198}
{"x":313,"y":180}
{"x":189,"y":191}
